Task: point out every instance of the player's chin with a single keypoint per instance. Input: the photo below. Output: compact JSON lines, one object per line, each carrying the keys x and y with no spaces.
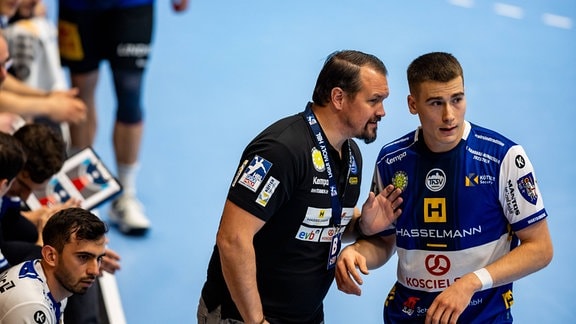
{"x":83,"y":287}
{"x":80,"y":291}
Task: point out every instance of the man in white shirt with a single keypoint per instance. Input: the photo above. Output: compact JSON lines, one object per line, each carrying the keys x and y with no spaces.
{"x":36,"y":291}
{"x":19,"y":98}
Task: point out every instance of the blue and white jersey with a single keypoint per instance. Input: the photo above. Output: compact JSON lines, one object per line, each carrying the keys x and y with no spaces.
{"x":26,"y":298}
{"x":460,"y":212}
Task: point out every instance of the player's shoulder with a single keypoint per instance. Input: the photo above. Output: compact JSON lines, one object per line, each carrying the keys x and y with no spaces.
{"x":23,"y":294}
{"x":23,"y":282}
{"x":400,"y":143}
{"x":484,"y":136}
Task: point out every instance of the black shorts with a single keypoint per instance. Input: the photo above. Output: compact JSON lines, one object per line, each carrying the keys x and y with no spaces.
{"x":122,"y":36}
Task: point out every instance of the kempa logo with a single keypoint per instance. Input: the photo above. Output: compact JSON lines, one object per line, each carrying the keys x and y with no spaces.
{"x":435,"y":179}
{"x":133,"y":49}
{"x":519,"y":161}
{"x":40,"y":317}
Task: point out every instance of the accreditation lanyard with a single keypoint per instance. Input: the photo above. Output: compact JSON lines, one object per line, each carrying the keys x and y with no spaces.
{"x":335,"y":198}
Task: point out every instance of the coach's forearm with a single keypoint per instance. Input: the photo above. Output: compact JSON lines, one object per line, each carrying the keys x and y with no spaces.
{"x":239,"y":269}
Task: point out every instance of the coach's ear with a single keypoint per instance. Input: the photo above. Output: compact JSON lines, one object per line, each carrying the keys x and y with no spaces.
{"x":337,"y":97}
{"x":50,"y":255}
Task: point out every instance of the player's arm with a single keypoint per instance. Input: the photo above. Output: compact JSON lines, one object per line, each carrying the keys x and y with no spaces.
{"x":29,"y":313}
{"x":58,"y":106}
{"x":12,"y":84}
{"x":237,"y":255}
{"x":534,"y":253}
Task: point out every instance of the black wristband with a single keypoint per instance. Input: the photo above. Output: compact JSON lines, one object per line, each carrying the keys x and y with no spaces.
{"x":358,"y":230}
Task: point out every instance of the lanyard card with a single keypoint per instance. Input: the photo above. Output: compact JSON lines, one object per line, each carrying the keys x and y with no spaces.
{"x":335,"y":245}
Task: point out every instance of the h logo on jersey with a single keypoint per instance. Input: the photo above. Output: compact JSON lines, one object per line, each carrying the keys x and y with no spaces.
{"x":434,"y":210}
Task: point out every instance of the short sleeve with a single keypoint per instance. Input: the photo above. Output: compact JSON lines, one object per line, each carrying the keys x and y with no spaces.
{"x":29,"y":313}
{"x":519,"y":192}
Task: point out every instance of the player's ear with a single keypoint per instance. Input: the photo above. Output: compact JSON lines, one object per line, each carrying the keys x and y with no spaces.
{"x":49,"y":255}
{"x":412,"y":104}
{"x":4,"y":183}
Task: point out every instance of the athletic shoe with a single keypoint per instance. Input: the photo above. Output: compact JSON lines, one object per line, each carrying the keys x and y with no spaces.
{"x":127,"y":214}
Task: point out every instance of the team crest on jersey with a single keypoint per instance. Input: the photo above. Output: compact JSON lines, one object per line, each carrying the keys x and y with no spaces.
{"x":527,"y":187}
{"x":318,"y":160}
{"x":255,"y":173}
{"x":435,"y":179}
{"x":400,"y":180}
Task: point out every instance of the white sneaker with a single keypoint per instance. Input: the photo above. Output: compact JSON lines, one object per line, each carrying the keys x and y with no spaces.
{"x":127,"y":214}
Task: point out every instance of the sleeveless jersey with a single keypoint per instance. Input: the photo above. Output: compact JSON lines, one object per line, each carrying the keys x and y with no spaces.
{"x":26,"y":298}
{"x":460,"y":211}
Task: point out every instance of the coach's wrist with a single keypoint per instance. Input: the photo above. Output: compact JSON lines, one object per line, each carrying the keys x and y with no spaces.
{"x":358,"y":228}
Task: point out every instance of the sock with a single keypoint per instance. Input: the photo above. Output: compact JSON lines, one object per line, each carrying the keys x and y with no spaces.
{"x":127,"y":177}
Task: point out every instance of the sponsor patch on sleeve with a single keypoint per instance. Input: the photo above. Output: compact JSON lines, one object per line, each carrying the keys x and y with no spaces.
{"x":255,"y":173}
{"x":527,"y":187}
{"x":267,"y":191}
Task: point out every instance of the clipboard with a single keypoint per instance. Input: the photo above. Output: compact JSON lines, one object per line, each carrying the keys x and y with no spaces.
{"x":84,"y":177}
